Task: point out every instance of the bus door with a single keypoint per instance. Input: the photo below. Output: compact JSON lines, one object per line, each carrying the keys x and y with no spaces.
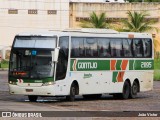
{"x":63,"y":58}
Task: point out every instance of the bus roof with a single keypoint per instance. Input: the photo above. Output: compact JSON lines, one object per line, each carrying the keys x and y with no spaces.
{"x":87,"y":32}
{"x":92,"y":30}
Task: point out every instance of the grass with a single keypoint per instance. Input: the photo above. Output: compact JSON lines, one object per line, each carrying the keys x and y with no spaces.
{"x":157,"y":69}
{"x":4,"y":64}
{"x":157,"y":64}
{"x":156,"y":75}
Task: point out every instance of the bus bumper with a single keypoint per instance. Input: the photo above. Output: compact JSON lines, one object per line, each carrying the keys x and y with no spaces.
{"x":41,"y":91}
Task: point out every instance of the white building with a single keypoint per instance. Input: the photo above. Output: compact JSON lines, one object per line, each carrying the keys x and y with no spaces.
{"x":18,"y":16}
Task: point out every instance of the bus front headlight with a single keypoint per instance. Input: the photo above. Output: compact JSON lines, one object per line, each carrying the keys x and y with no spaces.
{"x":13,"y":83}
{"x":47,"y":83}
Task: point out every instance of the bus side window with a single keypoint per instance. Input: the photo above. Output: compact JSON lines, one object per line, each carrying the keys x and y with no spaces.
{"x":13,"y":62}
{"x":77,"y":47}
{"x":62,"y":58}
{"x":147,"y":47}
{"x":91,"y":47}
{"x":116,"y":48}
{"x":104,"y":48}
{"x":127,"y":48}
{"x":137,"y":47}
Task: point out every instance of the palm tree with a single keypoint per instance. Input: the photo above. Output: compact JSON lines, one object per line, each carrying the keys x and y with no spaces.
{"x":95,"y":21}
{"x":156,"y":47}
{"x":136,"y":23}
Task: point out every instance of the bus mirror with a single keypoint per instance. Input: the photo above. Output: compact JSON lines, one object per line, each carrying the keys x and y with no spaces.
{"x":55,"y":54}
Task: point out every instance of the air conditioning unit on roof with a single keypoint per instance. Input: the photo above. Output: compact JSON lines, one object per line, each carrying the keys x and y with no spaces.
{"x":91,"y":30}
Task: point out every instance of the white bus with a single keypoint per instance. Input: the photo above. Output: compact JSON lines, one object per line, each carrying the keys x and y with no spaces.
{"x":87,"y":62}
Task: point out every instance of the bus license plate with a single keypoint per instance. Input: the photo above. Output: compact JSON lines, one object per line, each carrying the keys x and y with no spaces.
{"x":29,"y":90}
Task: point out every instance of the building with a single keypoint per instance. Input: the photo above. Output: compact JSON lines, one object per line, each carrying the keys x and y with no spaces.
{"x":25,"y":15}
{"x":114,"y":11}
{"x":94,"y":1}
{"x":87,"y":1}
{"x":30,"y":15}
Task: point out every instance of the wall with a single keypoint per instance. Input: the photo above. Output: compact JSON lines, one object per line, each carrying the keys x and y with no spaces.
{"x":12,"y":24}
{"x":87,"y":1}
{"x":114,"y":11}
{"x":96,"y":1}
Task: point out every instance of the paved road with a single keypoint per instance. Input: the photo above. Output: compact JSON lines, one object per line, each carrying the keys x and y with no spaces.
{"x":146,"y":101}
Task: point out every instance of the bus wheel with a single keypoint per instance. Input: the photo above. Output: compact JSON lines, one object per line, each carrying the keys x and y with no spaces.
{"x":73,"y":89}
{"x":32,"y":98}
{"x":126,"y":90}
{"x":134,"y":90}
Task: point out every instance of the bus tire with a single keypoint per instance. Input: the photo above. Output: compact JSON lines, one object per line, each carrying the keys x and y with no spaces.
{"x":32,"y":98}
{"x":73,"y":90}
{"x":126,"y":90}
{"x":134,"y":90}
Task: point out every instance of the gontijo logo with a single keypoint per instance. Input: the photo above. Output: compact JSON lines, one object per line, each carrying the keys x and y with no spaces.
{"x":87,"y":65}
{"x":84,"y":65}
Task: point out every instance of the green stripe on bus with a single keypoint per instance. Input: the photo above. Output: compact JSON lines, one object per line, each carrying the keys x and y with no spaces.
{"x":71,"y":65}
{"x":131,"y":64}
{"x":144,"y":65}
{"x":89,"y":65}
{"x":118,"y":64}
{"x":28,"y":80}
{"x":95,"y":65}
{"x":114,"y":78}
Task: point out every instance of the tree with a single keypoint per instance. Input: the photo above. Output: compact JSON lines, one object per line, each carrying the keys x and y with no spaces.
{"x":136,"y":22}
{"x":95,"y":21}
{"x":156,"y":47}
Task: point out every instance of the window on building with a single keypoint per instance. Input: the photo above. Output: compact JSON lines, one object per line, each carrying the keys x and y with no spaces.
{"x":32,"y":11}
{"x":51,"y":12}
{"x":12,"y":11}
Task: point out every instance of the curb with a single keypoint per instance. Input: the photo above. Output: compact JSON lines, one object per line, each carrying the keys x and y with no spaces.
{"x":3,"y":69}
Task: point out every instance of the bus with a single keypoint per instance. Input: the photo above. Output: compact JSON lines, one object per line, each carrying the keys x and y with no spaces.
{"x":86,"y":62}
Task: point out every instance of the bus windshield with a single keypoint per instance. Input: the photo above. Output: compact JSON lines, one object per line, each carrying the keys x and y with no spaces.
{"x":32,"y":60}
